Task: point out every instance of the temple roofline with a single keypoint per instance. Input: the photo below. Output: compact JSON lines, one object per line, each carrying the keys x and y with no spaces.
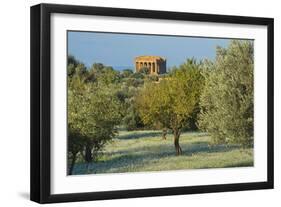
{"x":150,"y":56}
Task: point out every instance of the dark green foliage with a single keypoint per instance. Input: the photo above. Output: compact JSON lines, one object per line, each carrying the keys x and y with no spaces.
{"x":144,"y":70}
{"x":127,"y":73}
{"x":138,"y":75}
{"x":127,"y":93}
{"x":132,"y":120}
{"x":192,"y":120}
{"x":153,"y":78}
{"x":71,"y":60}
{"x":135,"y":82}
{"x":97,"y":67}
{"x":72,"y":64}
{"x":80,"y":70}
{"x":103,"y":75}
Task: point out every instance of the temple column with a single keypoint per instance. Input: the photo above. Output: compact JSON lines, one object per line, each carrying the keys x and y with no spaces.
{"x":156,"y":67}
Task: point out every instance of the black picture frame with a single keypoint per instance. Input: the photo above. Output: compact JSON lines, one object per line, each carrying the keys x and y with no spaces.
{"x":41,"y":99}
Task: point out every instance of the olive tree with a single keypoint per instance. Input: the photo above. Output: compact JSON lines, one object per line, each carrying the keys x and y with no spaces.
{"x":93,"y":114}
{"x":172,"y":101}
{"x":227,"y":110}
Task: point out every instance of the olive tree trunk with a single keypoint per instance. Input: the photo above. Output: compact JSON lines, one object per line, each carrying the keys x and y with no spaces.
{"x":70,"y":170}
{"x":177,"y":133}
{"x":164,"y":133}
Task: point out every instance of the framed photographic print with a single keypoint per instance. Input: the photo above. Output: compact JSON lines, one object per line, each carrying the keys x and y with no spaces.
{"x":133,"y":103}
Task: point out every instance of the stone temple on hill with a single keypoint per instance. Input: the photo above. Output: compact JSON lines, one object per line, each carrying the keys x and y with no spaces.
{"x":155,"y":64}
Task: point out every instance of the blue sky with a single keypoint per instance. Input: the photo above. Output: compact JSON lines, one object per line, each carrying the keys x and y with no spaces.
{"x":115,"y":49}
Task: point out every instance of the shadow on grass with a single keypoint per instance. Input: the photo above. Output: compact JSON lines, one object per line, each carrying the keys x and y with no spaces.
{"x":134,"y":158}
{"x":140,"y":134}
{"x":203,"y":147}
{"x":146,"y":134}
{"x":125,"y":160}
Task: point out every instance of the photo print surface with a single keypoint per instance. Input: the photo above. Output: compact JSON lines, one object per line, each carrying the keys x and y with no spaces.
{"x":141,"y":102}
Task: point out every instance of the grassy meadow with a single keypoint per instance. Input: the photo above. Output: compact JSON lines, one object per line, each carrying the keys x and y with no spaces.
{"x":140,"y":151}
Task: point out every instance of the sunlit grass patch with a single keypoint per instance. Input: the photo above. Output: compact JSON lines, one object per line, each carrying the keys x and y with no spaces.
{"x":140,"y":151}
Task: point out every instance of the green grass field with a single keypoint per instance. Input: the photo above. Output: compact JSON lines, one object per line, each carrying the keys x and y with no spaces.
{"x":139,"y":151}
